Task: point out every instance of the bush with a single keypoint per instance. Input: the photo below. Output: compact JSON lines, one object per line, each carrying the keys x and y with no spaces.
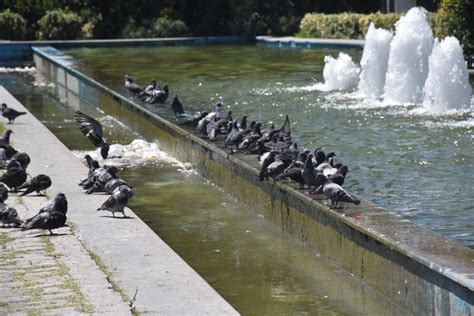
{"x":12,"y":26}
{"x":456,"y":18}
{"x":132,"y":30}
{"x":166,"y":27}
{"x":59,"y":24}
{"x":381,"y":20}
{"x":344,"y":25}
{"x":319,"y":25}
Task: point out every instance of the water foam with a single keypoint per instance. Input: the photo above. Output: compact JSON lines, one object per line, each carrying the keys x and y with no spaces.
{"x":447,"y":86}
{"x":339,"y":73}
{"x":138,"y":153}
{"x":374,"y":62}
{"x":408,"y":58}
{"x":30,"y":70}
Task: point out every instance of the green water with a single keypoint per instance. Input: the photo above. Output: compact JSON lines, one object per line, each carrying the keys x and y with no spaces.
{"x":417,"y":165}
{"x":258,"y":268}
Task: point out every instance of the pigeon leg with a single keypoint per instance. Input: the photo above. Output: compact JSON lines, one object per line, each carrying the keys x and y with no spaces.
{"x":51,"y":233}
{"x":113,"y":214}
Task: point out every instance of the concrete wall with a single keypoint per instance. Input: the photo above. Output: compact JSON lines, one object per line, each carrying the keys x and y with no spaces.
{"x":416,"y":268}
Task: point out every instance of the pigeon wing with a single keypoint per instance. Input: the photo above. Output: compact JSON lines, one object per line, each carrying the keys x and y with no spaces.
{"x":89,"y":127}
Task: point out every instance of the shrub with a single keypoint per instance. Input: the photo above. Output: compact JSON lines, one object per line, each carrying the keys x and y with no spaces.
{"x":132,"y":30}
{"x":166,"y":27}
{"x":12,"y":26}
{"x":456,"y":18}
{"x":344,"y":25}
{"x":59,"y":24}
{"x":319,"y":25}
{"x":381,"y":20}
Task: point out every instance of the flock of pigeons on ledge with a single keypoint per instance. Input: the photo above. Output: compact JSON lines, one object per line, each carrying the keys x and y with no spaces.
{"x":279,"y":156}
{"x":53,"y":214}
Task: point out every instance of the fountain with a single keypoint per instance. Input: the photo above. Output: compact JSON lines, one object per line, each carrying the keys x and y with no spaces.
{"x":410,"y":68}
{"x":341,"y":73}
{"x":374,"y":62}
{"x":408,"y":60}
{"x":447,"y":86}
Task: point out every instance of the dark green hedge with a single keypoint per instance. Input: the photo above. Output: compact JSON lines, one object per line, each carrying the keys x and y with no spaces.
{"x":12,"y":26}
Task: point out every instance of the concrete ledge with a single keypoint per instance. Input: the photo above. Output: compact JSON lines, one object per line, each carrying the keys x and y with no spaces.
{"x":132,"y":252}
{"x":296,"y":42}
{"x":418,"y":269}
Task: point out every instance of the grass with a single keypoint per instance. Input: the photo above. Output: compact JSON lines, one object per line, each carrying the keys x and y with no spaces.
{"x":5,"y":239}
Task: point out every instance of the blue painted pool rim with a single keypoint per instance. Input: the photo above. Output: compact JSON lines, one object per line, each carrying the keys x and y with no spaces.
{"x":459,"y":282}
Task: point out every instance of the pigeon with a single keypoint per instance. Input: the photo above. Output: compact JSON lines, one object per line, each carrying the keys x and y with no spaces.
{"x":3,"y":193}
{"x":267,"y":161}
{"x":131,"y":86}
{"x":5,"y":138}
{"x":158,"y":95}
{"x":340,"y":175}
{"x":9,"y":216}
{"x":336,"y":193}
{"x":309,"y":175}
{"x":93,"y":130}
{"x":111,"y":185}
{"x":10,"y":114}
{"x":3,"y":158}
{"x":36,"y":184}
{"x":92,"y":164}
{"x":117,"y":201}
{"x":22,"y":158}
{"x":15,"y":175}
{"x":99,"y":184}
{"x":9,"y":151}
{"x":234,"y":138}
{"x":51,"y":216}
{"x":177,"y":107}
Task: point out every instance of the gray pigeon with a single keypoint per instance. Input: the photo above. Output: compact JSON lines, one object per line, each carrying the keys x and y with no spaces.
{"x":5,"y":138}
{"x":310,"y":175}
{"x":9,"y":113}
{"x":117,"y":201}
{"x":36,"y":184}
{"x":51,"y":216}
{"x":111,"y":185}
{"x":336,"y":193}
{"x":9,"y":216}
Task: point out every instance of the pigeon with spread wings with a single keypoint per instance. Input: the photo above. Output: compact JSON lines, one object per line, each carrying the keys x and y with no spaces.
{"x":93,"y":130}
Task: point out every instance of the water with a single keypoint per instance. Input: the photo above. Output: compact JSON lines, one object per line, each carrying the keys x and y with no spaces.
{"x":408,"y":59}
{"x":415,"y":164}
{"x":340,"y":73}
{"x":253,"y":264}
{"x":447,"y":86}
{"x":374,"y":62}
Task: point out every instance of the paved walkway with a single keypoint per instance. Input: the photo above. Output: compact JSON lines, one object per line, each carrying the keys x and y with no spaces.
{"x":100,"y":264}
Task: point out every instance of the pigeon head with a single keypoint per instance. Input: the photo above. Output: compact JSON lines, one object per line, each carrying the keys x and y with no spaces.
{"x":60,"y":203}
{"x":331,"y":154}
{"x":112,"y":170}
{"x":343,"y":170}
{"x":8,"y":132}
{"x":3,"y":193}
{"x":309,"y":160}
{"x":166,"y":89}
{"x":4,"y":106}
{"x":14,"y":164}
{"x":12,"y":217}
{"x":320,"y":157}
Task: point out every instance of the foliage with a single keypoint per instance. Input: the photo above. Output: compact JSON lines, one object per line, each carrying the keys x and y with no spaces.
{"x":59,"y":24}
{"x":381,"y":20}
{"x":12,"y":26}
{"x":166,"y":27}
{"x":319,"y":25}
{"x":456,"y":18}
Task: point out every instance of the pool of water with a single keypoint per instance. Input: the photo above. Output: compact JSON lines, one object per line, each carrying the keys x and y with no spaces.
{"x":253,"y":264}
{"x":412,"y":163}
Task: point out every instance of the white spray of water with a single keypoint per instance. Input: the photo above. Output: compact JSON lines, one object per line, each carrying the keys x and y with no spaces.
{"x":30,"y":70}
{"x":138,"y":153}
{"x":408,"y":59}
{"x":447,"y":86}
{"x":374,"y":62}
{"x":340,"y":74}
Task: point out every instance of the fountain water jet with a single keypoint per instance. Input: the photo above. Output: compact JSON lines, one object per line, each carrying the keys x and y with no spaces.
{"x":447,"y":86}
{"x":341,"y":73}
{"x":374,"y":62}
{"x":408,"y":59}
